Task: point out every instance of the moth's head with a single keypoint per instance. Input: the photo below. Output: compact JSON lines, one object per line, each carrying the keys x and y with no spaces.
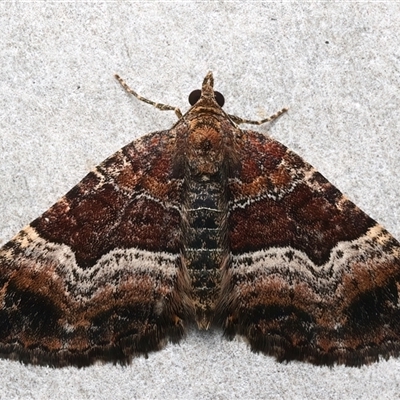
{"x":207,"y":92}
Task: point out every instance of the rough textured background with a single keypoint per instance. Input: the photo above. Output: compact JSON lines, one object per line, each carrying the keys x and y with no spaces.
{"x":336,"y":65}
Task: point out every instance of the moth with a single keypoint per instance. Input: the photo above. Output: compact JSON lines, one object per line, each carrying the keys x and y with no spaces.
{"x":202,"y":223}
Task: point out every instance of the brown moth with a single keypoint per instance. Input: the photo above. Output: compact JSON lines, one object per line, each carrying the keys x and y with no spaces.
{"x":202,"y":222}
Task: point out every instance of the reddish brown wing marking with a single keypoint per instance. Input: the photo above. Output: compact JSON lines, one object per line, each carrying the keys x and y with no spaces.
{"x":98,"y":276}
{"x":312,"y":277}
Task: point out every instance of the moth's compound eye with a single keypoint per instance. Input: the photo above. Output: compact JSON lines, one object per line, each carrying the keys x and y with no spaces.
{"x":219,"y":98}
{"x":194,"y":97}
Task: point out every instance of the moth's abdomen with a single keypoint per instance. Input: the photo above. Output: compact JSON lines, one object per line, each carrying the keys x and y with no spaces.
{"x":205,"y":243}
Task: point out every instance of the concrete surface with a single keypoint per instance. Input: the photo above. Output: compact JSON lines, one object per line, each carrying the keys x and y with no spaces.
{"x":336,"y":65}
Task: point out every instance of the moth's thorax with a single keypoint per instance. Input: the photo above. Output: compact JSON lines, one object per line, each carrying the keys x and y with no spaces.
{"x":205,"y":153}
{"x":207,"y":139}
